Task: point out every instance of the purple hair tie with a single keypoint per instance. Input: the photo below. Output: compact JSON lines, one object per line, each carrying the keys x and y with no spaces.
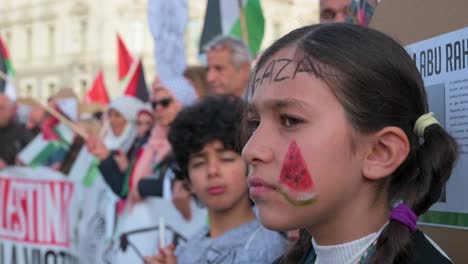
{"x":402,"y":213}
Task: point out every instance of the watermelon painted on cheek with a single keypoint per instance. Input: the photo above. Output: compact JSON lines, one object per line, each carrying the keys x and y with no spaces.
{"x":296,"y":183}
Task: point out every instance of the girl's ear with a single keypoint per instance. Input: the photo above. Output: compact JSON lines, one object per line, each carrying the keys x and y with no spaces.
{"x":389,"y":148}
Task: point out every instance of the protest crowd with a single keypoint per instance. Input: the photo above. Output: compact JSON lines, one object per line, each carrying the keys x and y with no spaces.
{"x":184,"y":168}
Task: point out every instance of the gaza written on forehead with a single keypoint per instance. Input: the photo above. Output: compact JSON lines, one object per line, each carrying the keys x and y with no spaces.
{"x":281,"y":69}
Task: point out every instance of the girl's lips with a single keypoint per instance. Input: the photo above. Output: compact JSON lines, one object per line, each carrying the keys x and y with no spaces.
{"x":258,"y":187}
{"x":216,"y":190}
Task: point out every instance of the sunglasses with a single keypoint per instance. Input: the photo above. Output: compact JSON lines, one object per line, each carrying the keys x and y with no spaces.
{"x":165,"y":102}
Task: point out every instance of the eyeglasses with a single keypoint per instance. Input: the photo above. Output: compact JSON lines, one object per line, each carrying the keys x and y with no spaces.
{"x":165,"y":102}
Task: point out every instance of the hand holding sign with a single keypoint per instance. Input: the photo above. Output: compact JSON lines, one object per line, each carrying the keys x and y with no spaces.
{"x":165,"y":256}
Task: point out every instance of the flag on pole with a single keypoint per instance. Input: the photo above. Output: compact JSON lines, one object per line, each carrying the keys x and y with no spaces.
{"x":223,"y":18}
{"x":125,"y":60}
{"x":45,"y":144}
{"x":98,"y":92}
{"x":6,"y":86}
{"x":54,"y":136}
{"x":136,"y":86}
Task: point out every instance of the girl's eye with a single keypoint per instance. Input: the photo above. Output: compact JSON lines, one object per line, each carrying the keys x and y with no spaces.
{"x":289,"y":121}
{"x":252,"y":125}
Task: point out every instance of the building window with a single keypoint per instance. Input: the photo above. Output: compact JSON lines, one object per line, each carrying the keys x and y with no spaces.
{"x":51,"y":43}
{"x":84,"y":87}
{"x":51,"y":89}
{"x":28,"y":90}
{"x":83,"y":33}
{"x":136,"y":33}
{"x":29,"y":44}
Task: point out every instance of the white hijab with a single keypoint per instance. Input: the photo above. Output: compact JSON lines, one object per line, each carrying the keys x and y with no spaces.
{"x":128,"y":107}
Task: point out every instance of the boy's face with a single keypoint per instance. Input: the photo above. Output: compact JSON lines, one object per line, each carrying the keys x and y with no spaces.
{"x":218,"y":177}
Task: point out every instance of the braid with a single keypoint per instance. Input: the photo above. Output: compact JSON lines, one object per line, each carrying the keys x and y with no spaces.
{"x":418,"y":182}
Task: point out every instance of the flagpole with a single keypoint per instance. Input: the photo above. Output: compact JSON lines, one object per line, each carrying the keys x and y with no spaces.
{"x":64,"y":120}
{"x":53,"y":112}
{"x":243,"y":22}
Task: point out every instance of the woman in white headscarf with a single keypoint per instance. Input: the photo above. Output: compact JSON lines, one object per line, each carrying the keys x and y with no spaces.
{"x":122,"y":115}
{"x":121,"y":144}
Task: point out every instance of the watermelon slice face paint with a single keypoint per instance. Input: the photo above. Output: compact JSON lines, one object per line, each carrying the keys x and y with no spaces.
{"x":296,"y":184}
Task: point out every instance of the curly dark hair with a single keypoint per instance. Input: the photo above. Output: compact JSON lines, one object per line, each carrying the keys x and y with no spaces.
{"x":213,"y":118}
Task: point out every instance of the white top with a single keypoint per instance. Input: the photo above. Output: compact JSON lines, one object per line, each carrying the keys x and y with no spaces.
{"x":347,"y":253}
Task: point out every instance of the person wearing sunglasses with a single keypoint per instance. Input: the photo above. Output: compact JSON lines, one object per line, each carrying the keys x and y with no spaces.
{"x":165,"y":104}
{"x":153,"y":175}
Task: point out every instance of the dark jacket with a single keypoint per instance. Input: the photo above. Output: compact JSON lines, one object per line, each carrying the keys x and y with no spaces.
{"x":424,"y":253}
{"x":154,"y":186}
{"x":114,"y":177}
{"x":13,"y":138}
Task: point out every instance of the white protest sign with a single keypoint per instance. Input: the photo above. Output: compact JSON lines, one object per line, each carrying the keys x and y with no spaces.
{"x":37,"y":216}
{"x":167,"y":20}
{"x":443,"y":64}
{"x":97,"y":212}
{"x":140,"y":230}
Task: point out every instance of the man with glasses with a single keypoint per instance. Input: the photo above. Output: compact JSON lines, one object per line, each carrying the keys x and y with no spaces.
{"x":228,"y":66}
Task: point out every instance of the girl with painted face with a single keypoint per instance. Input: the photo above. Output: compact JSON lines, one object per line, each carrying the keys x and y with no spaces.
{"x":341,"y":145}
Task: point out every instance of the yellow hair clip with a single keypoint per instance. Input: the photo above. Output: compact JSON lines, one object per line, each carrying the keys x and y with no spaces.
{"x":423,"y":122}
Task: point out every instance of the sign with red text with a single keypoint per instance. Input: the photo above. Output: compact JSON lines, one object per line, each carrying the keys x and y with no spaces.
{"x":37,"y":209}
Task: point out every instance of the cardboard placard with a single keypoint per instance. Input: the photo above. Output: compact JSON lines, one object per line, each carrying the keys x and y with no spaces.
{"x":426,"y":26}
{"x":410,"y":21}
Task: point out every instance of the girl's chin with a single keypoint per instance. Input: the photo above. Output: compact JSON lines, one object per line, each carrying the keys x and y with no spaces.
{"x":275,"y":221}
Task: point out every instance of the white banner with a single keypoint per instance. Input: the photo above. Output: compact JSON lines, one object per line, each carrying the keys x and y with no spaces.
{"x":37,"y":216}
{"x":139,"y":231}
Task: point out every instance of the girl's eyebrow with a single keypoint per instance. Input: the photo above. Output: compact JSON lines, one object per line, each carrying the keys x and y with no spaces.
{"x":278,"y":104}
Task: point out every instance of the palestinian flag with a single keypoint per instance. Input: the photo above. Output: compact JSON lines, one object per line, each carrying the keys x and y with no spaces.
{"x":85,"y":169}
{"x":136,"y":85}
{"x":98,"y":92}
{"x":223,"y":18}
{"x":6,"y":86}
{"x":124,"y":59}
{"x":54,"y":136}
